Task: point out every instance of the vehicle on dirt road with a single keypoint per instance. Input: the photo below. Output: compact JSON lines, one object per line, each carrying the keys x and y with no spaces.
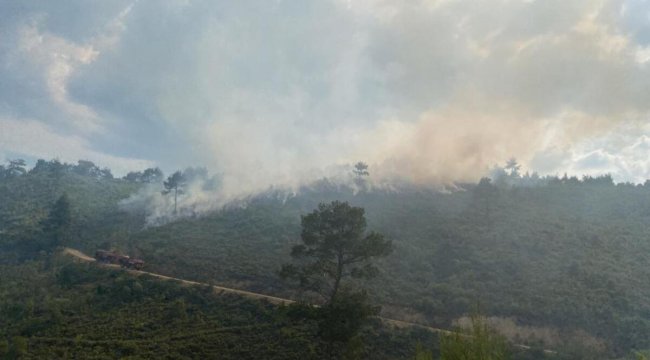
{"x":112,"y":257}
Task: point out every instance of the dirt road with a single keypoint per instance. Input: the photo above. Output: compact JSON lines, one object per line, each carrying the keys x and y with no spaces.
{"x":218,"y":289}
{"x":272,"y":299}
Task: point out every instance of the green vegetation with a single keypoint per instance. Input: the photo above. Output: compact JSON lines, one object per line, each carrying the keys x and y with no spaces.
{"x":561,"y":263}
{"x":568,"y":257}
{"x":26,"y":207}
{"x":334,"y":247}
{"x":57,"y":225}
{"x":68,"y":310}
{"x":479,"y":342}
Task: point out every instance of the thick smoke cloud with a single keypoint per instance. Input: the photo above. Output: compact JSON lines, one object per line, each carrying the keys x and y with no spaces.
{"x":280,"y":93}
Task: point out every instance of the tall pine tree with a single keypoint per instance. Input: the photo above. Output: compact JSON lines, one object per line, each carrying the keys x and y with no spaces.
{"x":59,"y":222}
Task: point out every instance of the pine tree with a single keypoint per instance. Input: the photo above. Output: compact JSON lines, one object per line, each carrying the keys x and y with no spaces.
{"x":335,"y":246}
{"x":175,"y":183}
{"x":59,"y":222}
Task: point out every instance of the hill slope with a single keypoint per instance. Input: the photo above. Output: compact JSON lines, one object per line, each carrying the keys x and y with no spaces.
{"x":567,"y":258}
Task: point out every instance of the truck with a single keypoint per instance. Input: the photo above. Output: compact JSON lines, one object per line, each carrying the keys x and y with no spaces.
{"x":112,"y":257}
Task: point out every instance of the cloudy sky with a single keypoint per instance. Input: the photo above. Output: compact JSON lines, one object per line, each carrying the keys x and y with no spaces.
{"x":269,"y":92}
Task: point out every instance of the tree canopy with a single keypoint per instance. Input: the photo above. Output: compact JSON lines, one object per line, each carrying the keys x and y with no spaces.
{"x":361,"y":169}
{"x":59,"y":221}
{"x":175,"y":183}
{"x":335,"y":246}
{"x":150,"y":175}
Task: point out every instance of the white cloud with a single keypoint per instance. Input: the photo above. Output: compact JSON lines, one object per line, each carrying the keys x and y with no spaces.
{"x":53,"y":60}
{"x":622,"y":152}
{"x":58,"y":58}
{"x":35,"y":139}
{"x":642,"y":54}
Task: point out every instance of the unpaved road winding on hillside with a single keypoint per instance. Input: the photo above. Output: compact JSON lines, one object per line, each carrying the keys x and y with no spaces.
{"x":218,"y":289}
{"x":272,"y":299}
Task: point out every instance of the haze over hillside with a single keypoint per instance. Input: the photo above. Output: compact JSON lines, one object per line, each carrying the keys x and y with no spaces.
{"x":278,"y":93}
{"x":349,"y":179}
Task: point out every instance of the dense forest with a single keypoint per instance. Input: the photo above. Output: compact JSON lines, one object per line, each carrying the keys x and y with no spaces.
{"x":553,"y":262}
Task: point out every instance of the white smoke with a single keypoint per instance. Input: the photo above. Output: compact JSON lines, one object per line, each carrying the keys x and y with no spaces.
{"x":282,"y":94}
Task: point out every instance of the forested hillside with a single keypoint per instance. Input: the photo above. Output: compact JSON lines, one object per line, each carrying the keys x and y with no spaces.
{"x":27,"y":196}
{"x":569,"y":257}
{"x":62,"y":309}
{"x":560,"y":262}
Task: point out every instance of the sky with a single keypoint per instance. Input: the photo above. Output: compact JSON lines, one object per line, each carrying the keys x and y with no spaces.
{"x":281,"y":92}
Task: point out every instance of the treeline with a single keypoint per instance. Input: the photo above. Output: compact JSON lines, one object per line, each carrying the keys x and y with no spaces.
{"x":18,"y":167}
{"x":510,"y":175}
{"x":501,"y":176}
